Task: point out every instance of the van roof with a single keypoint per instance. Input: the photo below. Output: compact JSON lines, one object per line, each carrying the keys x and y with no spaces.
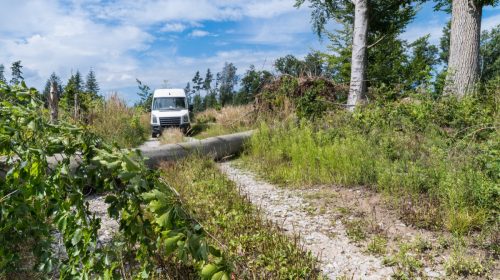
{"x":169,"y":92}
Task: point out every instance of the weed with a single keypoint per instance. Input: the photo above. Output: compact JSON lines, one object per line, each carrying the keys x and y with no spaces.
{"x":405,"y":262}
{"x":421,"y":245}
{"x":355,"y":229}
{"x":461,"y":265}
{"x":378,"y":245}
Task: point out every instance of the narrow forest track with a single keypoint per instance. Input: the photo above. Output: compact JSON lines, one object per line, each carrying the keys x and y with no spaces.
{"x":323,"y":233}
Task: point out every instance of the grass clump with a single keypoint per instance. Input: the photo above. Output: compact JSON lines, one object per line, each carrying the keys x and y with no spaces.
{"x":115,"y":122}
{"x":378,"y":245}
{"x":461,"y":265}
{"x":257,"y":248}
{"x":436,"y":160}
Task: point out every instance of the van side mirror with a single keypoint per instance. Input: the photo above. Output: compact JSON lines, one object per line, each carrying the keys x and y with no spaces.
{"x":190,"y":108}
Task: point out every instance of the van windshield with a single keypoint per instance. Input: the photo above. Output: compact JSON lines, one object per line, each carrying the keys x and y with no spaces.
{"x":169,"y":103}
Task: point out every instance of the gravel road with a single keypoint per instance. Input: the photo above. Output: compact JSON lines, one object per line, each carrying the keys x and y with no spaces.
{"x":338,"y":256}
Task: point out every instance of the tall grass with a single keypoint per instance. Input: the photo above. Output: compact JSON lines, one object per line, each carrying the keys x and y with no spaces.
{"x":229,"y":119}
{"x":117,"y":123}
{"x":438,"y":161}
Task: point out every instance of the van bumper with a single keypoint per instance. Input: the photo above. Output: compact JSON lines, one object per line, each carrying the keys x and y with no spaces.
{"x":157,"y":129}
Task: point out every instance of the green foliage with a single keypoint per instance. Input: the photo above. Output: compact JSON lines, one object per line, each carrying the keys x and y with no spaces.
{"x":198,"y":104}
{"x":146,"y":95}
{"x":312,"y":65}
{"x":43,"y":195}
{"x":490,"y":54}
{"x":257,"y":249}
{"x":443,"y":152}
{"x":251,"y":84}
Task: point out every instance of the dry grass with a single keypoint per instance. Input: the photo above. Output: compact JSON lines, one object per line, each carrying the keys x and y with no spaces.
{"x":227,"y":120}
{"x":171,"y":136}
{"x":117,"y":123}
{"x":229,"y":116}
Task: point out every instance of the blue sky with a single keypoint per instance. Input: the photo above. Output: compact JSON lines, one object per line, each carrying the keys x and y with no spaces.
{"x":168,"y":40}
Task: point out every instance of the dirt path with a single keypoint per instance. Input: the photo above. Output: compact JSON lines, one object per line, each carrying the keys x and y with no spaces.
{"x":325,"y":233}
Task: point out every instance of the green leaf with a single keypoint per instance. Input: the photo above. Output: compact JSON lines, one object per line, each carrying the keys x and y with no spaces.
{"x":171,"y":244}
{"x":77,"y":236}
{"x":208,"y":271}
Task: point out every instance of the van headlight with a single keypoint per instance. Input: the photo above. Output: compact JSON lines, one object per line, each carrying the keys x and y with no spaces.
{"x":185,"y":118}
{"x":154,"y":119}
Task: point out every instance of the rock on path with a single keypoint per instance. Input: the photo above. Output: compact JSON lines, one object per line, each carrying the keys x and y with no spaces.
{"x":324,"y":238}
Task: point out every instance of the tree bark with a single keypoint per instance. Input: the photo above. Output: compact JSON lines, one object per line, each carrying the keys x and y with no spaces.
{"x":463,"y":62}
{"x":357,"y":86}
{"x":75,"y":99}
{"x":53,"y":102}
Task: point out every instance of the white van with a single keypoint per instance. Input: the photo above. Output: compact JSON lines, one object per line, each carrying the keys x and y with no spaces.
{"x":170,"y":108}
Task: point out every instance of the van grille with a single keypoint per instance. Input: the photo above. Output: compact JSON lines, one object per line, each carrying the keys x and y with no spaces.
{"x":170,"y":121}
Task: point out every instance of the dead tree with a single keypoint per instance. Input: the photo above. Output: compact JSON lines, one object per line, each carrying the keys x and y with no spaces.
{"x":53,"y":102}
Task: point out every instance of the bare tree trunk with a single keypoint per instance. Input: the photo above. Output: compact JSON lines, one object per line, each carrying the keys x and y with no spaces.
{"x":53,"y":102}
{"x":357,"y":87}
{"x":75,"y":97}
{"x":463,"y":63}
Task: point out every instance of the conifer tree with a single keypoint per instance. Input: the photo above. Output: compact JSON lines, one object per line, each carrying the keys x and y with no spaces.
{"x":91,"y":85}
{"x":17,"y":73}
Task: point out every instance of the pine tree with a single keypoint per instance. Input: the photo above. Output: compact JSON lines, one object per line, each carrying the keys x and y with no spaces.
{"x":91,"y":85}
{"x":207,"y":84}
{"x":2,"y":74}
{"x":17,"y":73}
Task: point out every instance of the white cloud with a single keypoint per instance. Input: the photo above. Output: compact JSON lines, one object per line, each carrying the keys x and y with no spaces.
{"x":173,"y":27}
{"x":148,"y":12}
{"x":116,"y":39}
{"x":199,"y":33}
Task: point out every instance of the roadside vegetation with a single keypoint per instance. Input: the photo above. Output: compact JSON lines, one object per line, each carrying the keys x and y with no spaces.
{"x":115,"y":122}
{"x":439,"y":156}
{"x":256,"y":248}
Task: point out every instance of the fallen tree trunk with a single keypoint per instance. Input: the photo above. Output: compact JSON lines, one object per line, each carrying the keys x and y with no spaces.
{"x":215,"y":147}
